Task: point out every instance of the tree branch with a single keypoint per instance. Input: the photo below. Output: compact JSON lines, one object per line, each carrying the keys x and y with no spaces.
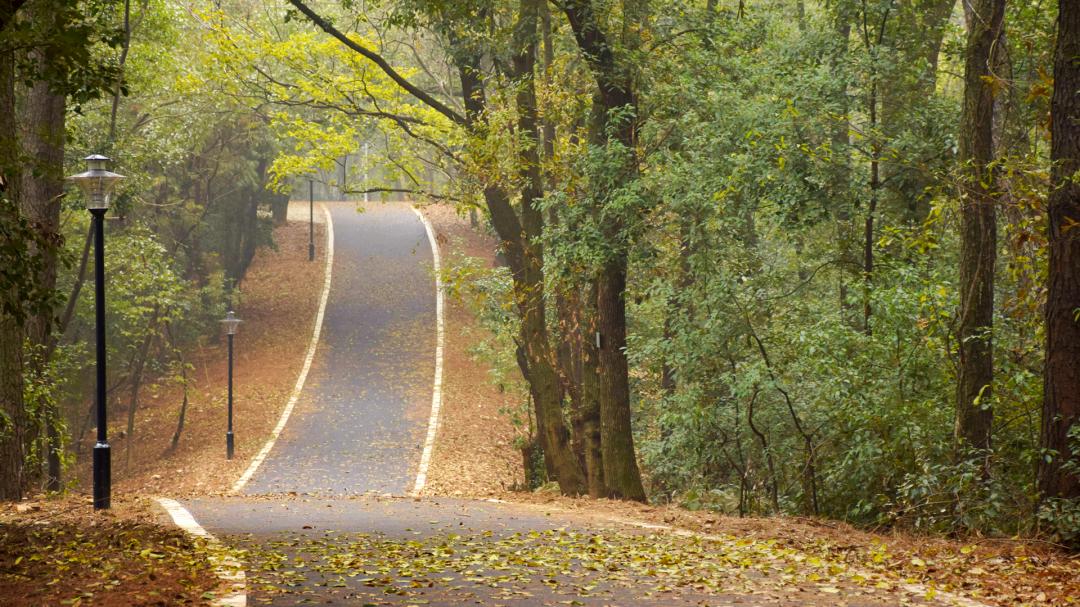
{"x":378,"y":60}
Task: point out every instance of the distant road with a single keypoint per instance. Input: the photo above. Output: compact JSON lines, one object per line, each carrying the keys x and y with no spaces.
{"x":360,"y":422}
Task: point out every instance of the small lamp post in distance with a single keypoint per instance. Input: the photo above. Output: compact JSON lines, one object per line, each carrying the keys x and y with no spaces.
{"x":230,"y":323}
{"x":311,"y":220}
{"x":97,"y":184}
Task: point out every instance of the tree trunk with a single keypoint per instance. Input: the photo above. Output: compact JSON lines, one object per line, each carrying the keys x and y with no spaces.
{"x":42,"y":188}
{"x":12,"y":407}
{"x":978,"y":234}
{"x":621,"y":474}
{"x":871,"y":211}
{"x":542,"y":371}
{"x":136,"y":383}
{"x":1061,"y":392}
{"x":568,"y":354}
{"x":12,"y":412}
{"x":590,"y":399}
{"x":184,"y":381}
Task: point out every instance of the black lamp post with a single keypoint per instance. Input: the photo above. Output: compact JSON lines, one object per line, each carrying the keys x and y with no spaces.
{"x":97,"y":184}
{"x":311,"y":220}
{"x":230,"y":322}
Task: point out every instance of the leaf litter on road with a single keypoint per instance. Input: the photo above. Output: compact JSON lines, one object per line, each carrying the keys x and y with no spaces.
{"x":556,"y":567}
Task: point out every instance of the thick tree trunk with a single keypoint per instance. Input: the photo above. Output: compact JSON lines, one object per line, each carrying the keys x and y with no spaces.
{"x":978,"y":233}
{"x":543,"y":375}
{"x":590,"y":399}
{"x":568,"y":354}
{"x":1061,"y":393}
{"x":12,"y":364}
{"x":12,"y":412}
{"x":621,"y":475}
{"x":42,"y":188}
{"x":538,"y":433}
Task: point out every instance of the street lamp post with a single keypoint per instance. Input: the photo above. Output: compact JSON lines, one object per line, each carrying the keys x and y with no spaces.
{"x":97,"y":184}
{"x":230,"y":322}
{"x":311,"y":220}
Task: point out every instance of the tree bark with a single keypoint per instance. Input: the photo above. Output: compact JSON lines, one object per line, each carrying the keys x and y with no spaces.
{"x":526,"y":269}
{"x":978,"y":233}
{"x":137,"y":369}
{"x":621,"y":475}
{"x":1061,"y":392}
{"x":590,"y":400}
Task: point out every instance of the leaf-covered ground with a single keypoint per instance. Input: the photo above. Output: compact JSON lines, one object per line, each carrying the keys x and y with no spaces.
{"x":56,"y":554}
{"x":994,"y":571}
{"x":550,"y":567}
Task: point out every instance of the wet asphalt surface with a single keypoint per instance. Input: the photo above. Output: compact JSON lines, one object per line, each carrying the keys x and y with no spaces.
{"x":325,"y":519}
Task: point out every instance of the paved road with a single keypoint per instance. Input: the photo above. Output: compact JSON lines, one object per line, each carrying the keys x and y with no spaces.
{"x":317,"y":524}
{"x":360,"y":423}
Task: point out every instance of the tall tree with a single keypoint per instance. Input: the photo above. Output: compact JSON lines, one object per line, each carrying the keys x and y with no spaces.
{"x":541,"y":358}
{"x":618,"y":116}
{"x":43,"y":136}
{"x":1058,"y":473}
{"x":978,"y":232}
{"x":13,"y":288}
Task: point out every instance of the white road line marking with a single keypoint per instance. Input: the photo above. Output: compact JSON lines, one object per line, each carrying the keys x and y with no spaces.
{"x":265,"y":451}
{"x":436,"y":393}
{"x":226,"y":567}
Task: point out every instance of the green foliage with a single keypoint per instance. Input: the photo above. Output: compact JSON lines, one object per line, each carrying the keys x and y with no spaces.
{"x":748,"y":290}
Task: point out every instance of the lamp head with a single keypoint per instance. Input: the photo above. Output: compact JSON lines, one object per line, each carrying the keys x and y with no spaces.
{"x":97,"y":182}
{"x":231,"y":322}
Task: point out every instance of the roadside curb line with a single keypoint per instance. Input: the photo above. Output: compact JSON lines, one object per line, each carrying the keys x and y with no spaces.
{"x":308,"y":358}
{"x":226,"y":567}
{"x":436,"y":392}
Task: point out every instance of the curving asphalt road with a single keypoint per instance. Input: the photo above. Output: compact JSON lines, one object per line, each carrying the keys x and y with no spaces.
{"x":315,"y":524}
{"x":360,"y":422}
